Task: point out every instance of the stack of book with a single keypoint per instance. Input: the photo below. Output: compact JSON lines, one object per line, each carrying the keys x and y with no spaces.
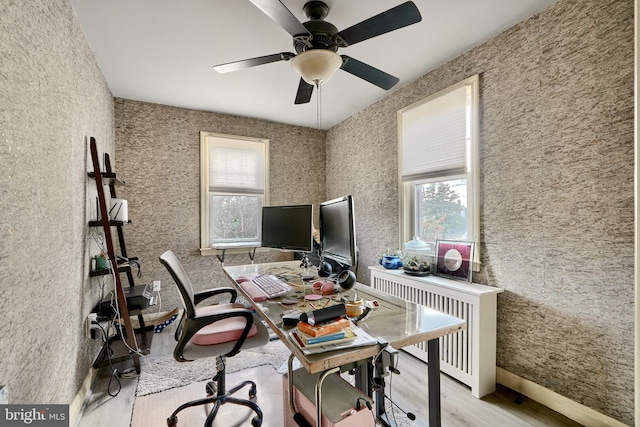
{"x":327,"y":336}
{"x":334,"y":331}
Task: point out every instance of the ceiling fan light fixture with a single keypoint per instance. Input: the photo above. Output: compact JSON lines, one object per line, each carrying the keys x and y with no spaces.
{"x":316,"y":66}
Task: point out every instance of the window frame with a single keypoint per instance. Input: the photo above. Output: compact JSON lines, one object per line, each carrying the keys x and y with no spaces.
{"x":471,"y":172}
{"x":206,"y":248}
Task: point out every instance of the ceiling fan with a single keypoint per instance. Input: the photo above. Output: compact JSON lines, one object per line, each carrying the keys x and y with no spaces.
{"x":317,"y":41}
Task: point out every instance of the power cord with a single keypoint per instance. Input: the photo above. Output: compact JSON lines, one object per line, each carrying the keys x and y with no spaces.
{"x":118,"y":316}
{"x":115,"y":373}
{"x":369,"y":406}
{"x":378,"y":383}
{"x":366,"y":402}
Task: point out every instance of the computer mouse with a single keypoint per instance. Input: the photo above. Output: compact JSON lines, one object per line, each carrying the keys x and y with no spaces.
{"x":241,"y":279}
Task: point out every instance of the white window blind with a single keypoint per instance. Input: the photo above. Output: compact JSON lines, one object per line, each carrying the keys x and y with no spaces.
{"x":438,"y":166}
{"x":234,"y":168}
{"x":435,"y":134}
{"x":234,"y":181}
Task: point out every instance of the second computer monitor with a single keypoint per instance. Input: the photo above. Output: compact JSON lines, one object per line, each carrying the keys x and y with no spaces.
{"x":288,"y":227}
{"x":338,"y":231}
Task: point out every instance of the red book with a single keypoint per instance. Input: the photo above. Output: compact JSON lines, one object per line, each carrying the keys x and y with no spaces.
{"x":325,"y":328}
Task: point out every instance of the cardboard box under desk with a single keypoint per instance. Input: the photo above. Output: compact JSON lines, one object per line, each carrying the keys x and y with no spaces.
{"x":339,"y":401}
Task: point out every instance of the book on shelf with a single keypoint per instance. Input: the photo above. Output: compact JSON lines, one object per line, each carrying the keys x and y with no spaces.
{"x":356,"y":337}
{"x":326,"y":328}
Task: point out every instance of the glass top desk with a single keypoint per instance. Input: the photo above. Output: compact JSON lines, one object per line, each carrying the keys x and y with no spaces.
{"x":397,"y":322}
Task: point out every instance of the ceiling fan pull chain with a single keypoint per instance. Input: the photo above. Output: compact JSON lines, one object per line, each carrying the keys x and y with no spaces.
{"x":319,"y":103}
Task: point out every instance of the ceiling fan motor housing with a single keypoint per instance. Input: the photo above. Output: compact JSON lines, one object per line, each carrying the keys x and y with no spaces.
{"x":315,"y":10}
{"x":323,"y":32}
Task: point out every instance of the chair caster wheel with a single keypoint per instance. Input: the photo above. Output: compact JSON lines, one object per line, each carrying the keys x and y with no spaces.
{"x":256,"y":422}
{"x":172,"y":421}
{"x":211,"y":388}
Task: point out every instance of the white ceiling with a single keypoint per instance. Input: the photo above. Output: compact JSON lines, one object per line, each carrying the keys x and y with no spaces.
{"x":163,"y":51}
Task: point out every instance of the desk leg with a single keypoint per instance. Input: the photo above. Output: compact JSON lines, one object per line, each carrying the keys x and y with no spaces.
{"x":290,"y":378}
{"x":321,"y":379}
{"x":433,"y":373}
{"x":363,"y":376}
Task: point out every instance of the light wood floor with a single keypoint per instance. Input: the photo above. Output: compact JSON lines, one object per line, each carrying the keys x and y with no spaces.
{"x":408,"y":390}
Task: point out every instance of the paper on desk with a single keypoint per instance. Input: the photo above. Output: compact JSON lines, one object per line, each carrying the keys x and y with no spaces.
{"x":362,"y":339}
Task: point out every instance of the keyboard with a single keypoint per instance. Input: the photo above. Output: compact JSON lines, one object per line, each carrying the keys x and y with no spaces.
{"x":261,"y":288}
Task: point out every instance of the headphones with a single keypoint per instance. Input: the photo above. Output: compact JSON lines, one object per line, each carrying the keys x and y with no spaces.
{"x":325,"y":269}
{"x":346,"y":279}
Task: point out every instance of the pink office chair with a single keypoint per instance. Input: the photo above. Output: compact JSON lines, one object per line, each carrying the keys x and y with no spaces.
{"x":219,"y":331}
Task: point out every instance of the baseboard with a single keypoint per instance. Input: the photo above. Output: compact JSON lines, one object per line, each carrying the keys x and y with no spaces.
{"x":75,"y":408}
{"x":567,"y":407}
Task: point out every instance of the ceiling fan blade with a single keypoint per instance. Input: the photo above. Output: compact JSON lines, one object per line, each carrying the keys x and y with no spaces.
{"x":252,"y":62}
{"x":368,"y":73}
{"x":392,"y":19}
{"x":277,"y":11}
{"x":304,"y":92}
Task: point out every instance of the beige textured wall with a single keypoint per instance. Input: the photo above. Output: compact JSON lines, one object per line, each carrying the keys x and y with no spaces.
{"x":557,"y":185}
{"x":52,"y":96}
{"x":157,"y":154}
{"x":557,"y":193}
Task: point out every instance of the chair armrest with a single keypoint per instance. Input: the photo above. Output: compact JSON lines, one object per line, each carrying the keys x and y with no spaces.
{"x":192,"y":326}
{"x":200,"y":296}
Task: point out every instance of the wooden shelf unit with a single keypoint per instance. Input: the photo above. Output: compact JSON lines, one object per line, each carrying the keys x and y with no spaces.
{"x":116,"y":349}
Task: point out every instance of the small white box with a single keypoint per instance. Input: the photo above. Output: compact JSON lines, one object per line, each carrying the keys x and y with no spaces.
{"x":119,"y":210}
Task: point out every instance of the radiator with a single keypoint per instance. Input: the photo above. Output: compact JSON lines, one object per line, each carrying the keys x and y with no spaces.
{"x":468,"y":356}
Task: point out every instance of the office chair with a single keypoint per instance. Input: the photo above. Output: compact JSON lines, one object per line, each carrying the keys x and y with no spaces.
{"x":218,"y":331}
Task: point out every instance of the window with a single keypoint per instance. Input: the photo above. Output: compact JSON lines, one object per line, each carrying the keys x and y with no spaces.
{"x":234,"y":177}
{"x":438,"y":166}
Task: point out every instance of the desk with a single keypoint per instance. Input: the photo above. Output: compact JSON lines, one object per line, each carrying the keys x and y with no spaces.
{"x":400,"y":323}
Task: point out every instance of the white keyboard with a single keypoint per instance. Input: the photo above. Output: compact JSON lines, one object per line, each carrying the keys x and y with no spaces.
{"x":261,"y":288}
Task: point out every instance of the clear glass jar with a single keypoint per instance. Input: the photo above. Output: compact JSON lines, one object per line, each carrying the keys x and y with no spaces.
{"x":417,"y":257}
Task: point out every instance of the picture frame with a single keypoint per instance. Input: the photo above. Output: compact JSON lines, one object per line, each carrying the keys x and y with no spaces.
{"x":454,"y":259}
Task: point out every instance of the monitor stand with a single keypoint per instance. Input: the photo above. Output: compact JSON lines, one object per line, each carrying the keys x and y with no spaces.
{"x":305,"y":264}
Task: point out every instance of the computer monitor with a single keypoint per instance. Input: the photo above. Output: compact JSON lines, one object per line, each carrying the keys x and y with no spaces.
{"x":288,"y":228}
{"x":338,"y":231}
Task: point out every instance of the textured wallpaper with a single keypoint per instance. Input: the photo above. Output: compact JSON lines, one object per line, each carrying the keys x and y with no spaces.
{"x":158,"y":155}
{"x":557,"y":195}
{"x":556,"y":183}
{"x":52,"y":97}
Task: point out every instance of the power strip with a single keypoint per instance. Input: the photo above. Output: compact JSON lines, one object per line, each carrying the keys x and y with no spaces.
{"x":90,"y":325}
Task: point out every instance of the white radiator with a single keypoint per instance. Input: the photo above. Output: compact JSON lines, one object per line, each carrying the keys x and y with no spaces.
{"x":468,"y":356}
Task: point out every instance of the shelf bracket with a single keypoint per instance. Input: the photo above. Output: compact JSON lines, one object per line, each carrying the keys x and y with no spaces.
{"x":252,"y":254}
{"x":221,"y":259}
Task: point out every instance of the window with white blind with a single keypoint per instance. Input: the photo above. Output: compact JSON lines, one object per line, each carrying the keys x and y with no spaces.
{"x":234,"y":182}
{"x":438,"y":166}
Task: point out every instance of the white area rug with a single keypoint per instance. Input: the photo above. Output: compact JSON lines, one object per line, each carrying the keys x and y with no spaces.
{"x":152,"y":410}
{"x":165,"y":372}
